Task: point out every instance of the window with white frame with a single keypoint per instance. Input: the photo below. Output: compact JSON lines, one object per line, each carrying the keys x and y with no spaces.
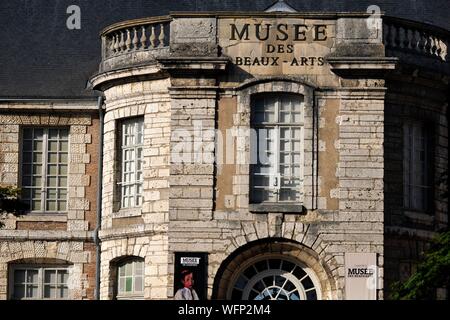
{"x":35,"y":282}
{"x":277,"y":161}
{"x":44,"y":168}
{"x":132,"y":141}
{"x":416,"y":166}
{"x":130,"y":279}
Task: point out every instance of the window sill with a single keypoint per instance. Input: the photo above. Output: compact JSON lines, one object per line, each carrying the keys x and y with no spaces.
{"x":126,"y":213}
{"x":130,"y":297}
{"x":420,"y":216}
{"x":43,"y":217}
{"x":277,"y":208}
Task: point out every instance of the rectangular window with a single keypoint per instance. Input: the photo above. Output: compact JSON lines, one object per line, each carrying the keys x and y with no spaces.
{"x":44,"y":169}
{"x":40,"y":283}
{"x":416,"y":166}
{"x":276,"y":172}
{"x":131,"y":162}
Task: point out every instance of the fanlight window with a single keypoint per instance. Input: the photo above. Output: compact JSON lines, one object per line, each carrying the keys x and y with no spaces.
{"x":275,"y":279}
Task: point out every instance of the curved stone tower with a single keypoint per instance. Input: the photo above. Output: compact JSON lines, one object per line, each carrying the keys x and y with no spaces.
{"x":355,"y":109}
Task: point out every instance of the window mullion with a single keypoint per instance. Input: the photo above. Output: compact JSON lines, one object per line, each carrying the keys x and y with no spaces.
{"x":40,"y":284}
{"x":44,"y":169}
{"x":277,"y":150}
{"x":122,"y":186}
{"x":135,"y":182}
{"x":135,"y":160}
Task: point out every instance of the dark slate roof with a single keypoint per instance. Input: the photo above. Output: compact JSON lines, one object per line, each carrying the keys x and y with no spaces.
{"x":40,"y":57}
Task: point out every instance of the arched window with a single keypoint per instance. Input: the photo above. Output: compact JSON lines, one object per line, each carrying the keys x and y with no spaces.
{"x":277,"y":148}
{"x":130,"y":279}
{"x":274,"y":279}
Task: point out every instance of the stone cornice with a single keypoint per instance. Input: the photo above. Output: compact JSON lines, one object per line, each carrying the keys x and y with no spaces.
{"x":252,"y":14}
{"x":194,"y":92}
{"x":361,"y":66}
{"x":194,"y":64}
{"x":132,"y":231}
{"x":105,"y":80}
{"x":45,"y":235}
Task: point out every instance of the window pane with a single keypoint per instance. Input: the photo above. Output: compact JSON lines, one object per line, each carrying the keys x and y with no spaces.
{"x":128,"y":284}
{"x":28,"y":133}
{"x":122,"y":270}
{"x":37,"y":169}
{"x":63,"y":158}
{"x":288,"y":195}
{"x":51,"y":205}
{"x":52,"y":169}
{"x":49,"y":292}
{"x":26,"y":157}
{"x":19,"y":291}
{"x":52,"y":157}
{"x":139,"y":267}
{"x":64,"y":146}
{"x":62,"y":206}
{"x":26,"y":193}
{"x":38,"y":146}
{"x":62,"y":169}
{"x":63,"y":292}
{"x":121,"y":284}
{"x":38,"y":134}
{"x":53,"y":146}
{"x":53,"y":134}
{"x":63,"y":276}
{"x":37,"y":157}
{"x":19,"y":276}
{"x":52,"y":182}
{"x":139,"y":284}
{"x":64,"y":134}
{"x":52,"y":193}
{"x":62,"y":181}
{"x":36,"y":193}
{"x":32,"y":291}
{"x":415,"y":175}
{"x":36,"y":205}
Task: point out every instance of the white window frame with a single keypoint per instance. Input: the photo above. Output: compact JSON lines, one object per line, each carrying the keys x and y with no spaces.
{"x":135,"y":197}
{"x":410,"y":166}
{"x":41,"y":280}
{"x":135,"y":295}
{"x":44,"y":172}
{"x":275,"y":178}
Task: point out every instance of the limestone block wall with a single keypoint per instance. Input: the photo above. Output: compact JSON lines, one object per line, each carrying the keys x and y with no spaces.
{"x":408,"y":233}
{"x":140,"y":231}
{"x":343,"y":186}
{"x":64,"y":237}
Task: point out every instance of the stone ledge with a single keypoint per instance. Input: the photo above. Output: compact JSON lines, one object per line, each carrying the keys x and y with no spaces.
{"x":361,"y":66}
{"x":275,"y":207}
{"x":47,"y":235}
{"x":43,"y":217}
{"x":126,"y":213}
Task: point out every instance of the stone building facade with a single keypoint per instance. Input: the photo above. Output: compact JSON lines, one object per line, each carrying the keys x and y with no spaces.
{"x":182,"y":97}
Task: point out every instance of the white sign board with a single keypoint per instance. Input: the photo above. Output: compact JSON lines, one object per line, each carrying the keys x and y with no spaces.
{"x":190,"y":261}
{"x":361,"y":276}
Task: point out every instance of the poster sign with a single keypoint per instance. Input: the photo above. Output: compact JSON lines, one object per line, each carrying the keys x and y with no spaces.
{"x":361,"y":276}
{"x":191,"y":276}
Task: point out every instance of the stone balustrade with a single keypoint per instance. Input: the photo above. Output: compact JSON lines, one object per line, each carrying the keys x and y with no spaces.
{"x":142,"y":41}
{"x":416,"y":38}
{"x":134,"y":41}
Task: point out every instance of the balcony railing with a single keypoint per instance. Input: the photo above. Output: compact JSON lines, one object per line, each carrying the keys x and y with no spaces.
{"x":139,"y":40}
{"x":416,"y":38}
